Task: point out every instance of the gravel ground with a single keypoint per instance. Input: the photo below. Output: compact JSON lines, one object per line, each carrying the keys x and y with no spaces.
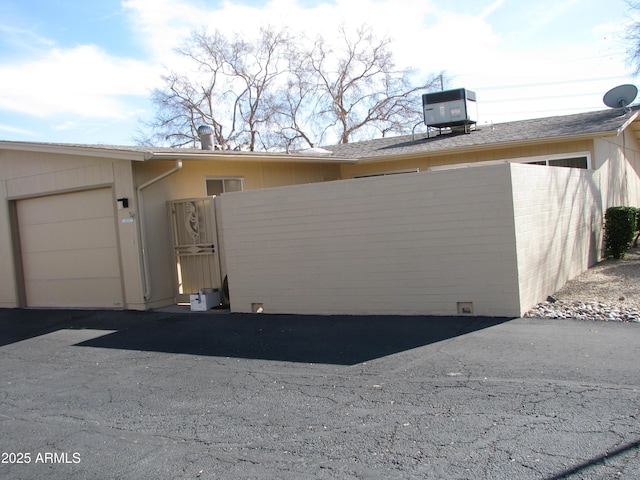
{"x":608,"y":291}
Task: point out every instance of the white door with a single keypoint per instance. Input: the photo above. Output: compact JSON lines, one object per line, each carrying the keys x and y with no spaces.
{"x":195,"y":246}
{"x":69,"y":250}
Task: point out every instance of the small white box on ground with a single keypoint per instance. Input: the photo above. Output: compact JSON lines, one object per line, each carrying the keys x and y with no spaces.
{"x":205,"y":300}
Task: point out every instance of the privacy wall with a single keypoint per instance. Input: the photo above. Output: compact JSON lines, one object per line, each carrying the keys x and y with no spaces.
{"x":558,"y":216}
{"x":433,"y":243}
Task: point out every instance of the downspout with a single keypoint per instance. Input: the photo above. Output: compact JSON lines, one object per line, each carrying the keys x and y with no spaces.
{"x":146,"y":276}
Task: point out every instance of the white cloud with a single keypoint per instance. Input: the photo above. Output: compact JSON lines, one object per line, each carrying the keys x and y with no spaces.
{"x":428,"y":35}
{"x":446,"y":45}
{"x":475,"y":46}
{"x":67,"y":125}
{"x":162,"y":25}
{"x":491,"y":8}
{"x":83,"y":81}
{"x":23,"y":39}
{"x":543,"y":13}
{"x":165,"y":24}
{"x":16,"y":130}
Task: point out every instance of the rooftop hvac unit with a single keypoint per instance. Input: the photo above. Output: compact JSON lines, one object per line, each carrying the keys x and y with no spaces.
{"x":452,"y":108}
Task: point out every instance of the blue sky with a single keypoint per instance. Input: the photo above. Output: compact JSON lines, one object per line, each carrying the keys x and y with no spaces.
{"x":82,"y":72}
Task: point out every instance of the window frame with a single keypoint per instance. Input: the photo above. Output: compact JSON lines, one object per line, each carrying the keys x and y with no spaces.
{"x":385,"y":174}
{"x":557,"y":156}
{"x":222,"y":179}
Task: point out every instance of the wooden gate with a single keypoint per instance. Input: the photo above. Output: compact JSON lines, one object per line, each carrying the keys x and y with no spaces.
{"x":195,"y":246}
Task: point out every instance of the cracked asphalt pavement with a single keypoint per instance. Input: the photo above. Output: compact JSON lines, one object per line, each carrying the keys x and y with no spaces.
{"x":149,"y":395}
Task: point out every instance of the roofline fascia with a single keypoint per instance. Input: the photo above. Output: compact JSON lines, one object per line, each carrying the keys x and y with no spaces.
{"x":87,"y":150}
{"x":630,"y":120}
{"x":248,"y":157}
{"x":149,"y":155}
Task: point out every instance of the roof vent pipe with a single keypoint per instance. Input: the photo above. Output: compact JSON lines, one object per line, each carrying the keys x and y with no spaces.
{"x":205,"y":132}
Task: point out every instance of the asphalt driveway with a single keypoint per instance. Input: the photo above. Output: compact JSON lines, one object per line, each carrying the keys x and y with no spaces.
{"x":94,"y":394}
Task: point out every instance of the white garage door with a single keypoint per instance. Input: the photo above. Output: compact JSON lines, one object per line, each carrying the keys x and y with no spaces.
{"x":69,"y":250}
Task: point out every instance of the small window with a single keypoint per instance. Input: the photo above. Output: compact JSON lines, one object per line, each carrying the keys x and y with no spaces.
{"x":384,"y":174}
{"x":577,"y":160}
{"x":218,"y":186}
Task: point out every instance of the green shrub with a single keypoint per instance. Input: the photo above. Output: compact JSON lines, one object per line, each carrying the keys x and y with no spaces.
{"x":619,"y":230}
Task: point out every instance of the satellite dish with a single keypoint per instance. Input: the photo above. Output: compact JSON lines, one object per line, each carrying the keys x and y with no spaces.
{"x":620,"y":97}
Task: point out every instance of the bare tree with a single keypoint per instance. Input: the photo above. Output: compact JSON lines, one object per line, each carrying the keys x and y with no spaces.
{"x":186,"y":102}
{"x":352,"y":90}
{"x":230,"y":90}
{"x":280,"y":92}
{"x":360,"y":91}
{"x":633,"y":36}
{"x":299,"y":117}
{"x":256,"y":67}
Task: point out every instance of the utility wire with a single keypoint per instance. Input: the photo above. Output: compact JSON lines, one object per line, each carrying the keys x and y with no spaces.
{"x":529,"y":112}
{"x":546,"y":84}
{"x":530,"y":99}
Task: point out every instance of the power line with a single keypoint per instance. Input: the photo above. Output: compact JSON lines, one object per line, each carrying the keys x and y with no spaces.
{"x":547,"y":84}
{"x":528,"y":99}
{"x":528,"y":112}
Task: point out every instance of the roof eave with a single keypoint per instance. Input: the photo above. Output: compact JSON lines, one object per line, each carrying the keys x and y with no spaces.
{"x":629,"y":121}
{"x":148,"y":154}
{"x":86,"y":150}
{"x":247,"y":157}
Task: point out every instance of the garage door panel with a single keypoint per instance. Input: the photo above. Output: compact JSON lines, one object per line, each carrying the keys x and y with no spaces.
{"x":69,"y":248}
{"x":76,"y":205}
{"x":87,"y":293}
{"x":82,"y":264}
{"x":69,"y":235}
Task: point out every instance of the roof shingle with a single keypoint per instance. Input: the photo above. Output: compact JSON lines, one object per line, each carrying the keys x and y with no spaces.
{"x":579,"y":125}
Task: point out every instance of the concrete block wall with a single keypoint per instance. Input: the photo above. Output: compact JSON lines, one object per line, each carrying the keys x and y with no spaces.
{"x":558,"y":223}
{"x":422,"y":243}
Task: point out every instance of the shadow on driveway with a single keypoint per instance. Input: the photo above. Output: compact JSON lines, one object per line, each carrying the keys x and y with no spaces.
{"x":340,"y":340}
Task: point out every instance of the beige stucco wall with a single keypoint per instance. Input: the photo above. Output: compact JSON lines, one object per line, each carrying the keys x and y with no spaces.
{"x":8,"y":291}
{"x":558,"y":222}
{"x":25,"y":174}
{"x":382,"y":245}
{"x":618,"y":169}
{"x":409,"y":244}
{"x":31,"y":174}
{"x":559,"y":214}
{"x":424,"y":162}
{"x":189,"y":182}
{"x":441,"y":228}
